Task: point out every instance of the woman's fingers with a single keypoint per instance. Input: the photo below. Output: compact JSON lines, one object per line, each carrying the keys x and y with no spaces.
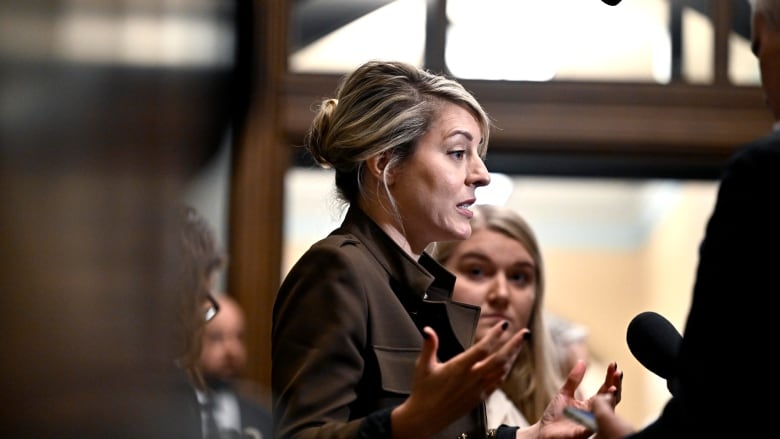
{"x":613,"y":383}
{"x":617,"y":379}
{"x":489,"y":344}
{"x":429,"y":348}
{"x":495,"y":368}
{"x":574,"y":379}
{"x":480,"y":369}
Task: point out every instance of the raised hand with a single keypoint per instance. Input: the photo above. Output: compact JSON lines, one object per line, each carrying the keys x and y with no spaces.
{"x":613,"y":385}
{"x":554,"y":424}
{"x":456,"y":385}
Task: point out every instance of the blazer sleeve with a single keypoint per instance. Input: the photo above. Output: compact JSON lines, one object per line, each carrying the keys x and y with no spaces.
{"x":318,"y":342}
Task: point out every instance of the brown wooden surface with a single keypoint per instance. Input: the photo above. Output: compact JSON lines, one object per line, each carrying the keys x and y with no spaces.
{"x":564,"y":117}
{"x":260,"y":161}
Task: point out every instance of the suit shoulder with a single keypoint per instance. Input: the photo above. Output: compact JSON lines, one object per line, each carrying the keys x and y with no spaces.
{"x":767,"y":147}
{"x":336,"y":240}
{"x":758,"y":160}
{"x":333,"y":250}
{"x":341,"y":256}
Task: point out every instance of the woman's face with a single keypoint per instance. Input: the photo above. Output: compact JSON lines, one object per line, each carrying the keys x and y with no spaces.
{"x":435,"y":187}
{"x":498,"y":274}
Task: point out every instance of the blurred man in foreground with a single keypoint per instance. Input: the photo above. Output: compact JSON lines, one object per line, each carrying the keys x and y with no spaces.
{"x":721,"y":387}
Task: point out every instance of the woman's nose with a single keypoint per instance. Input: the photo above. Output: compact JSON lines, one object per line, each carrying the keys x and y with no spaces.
{"x":479,"y":175}
{"x":498,"y":288}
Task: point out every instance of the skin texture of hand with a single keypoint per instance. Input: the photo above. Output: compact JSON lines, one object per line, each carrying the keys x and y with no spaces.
{"x":554,"y":424}
{"x":611,"y":426}
{"x":442,"y":392}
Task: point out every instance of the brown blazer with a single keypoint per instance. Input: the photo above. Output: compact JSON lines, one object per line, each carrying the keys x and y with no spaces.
{"x":347,"y":330}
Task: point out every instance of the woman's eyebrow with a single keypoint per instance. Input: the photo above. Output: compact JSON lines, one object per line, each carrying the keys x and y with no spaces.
{"x":464,"y":133}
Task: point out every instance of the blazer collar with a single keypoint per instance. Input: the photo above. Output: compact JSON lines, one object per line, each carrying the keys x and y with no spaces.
{"x":424,"y":286}
{"x":423,"y":277}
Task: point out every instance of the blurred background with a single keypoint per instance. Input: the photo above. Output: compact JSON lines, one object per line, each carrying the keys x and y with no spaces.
{"x":613,"y":124}
{"x":107,"y":111}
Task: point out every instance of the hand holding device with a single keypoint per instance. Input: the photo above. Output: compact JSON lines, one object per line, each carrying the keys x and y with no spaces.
{"x":582,"y":417}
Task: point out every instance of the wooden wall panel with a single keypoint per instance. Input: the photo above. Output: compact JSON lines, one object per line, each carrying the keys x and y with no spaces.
{"x":260,"y":160}
{"x":653,"y":122}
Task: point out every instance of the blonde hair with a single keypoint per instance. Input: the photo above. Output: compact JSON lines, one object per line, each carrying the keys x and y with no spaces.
{"x":534,"y":379}
{"x":382,"y":107}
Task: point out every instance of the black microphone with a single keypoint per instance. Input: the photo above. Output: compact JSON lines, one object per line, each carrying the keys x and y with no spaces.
{"x":655,"y":342}
{"x":611,"y":2}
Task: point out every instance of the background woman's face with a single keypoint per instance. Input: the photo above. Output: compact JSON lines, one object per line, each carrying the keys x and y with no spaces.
{"x":498,"y":274}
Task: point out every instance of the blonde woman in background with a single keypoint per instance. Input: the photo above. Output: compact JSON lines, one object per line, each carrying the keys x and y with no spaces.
{"x":500,"y":268}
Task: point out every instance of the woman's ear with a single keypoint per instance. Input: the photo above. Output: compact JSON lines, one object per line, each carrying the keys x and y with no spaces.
{"x":377,"y":165}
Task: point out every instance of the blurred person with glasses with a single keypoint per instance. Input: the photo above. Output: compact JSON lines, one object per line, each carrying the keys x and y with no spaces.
{"x":211,"y":308}
{"x":199,"y":261}
{"x":237,"y":402}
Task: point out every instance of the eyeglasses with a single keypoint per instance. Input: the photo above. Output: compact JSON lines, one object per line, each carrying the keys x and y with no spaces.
{"x":212,"y":309}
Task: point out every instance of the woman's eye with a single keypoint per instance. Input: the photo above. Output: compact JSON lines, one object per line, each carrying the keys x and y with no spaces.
{"x":474,"y":271}
{"x":520,"y":278}
{"x":458,"y":154}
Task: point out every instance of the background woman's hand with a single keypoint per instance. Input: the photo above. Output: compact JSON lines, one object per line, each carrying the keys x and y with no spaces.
{"x":613,"y":384}
{"x":554,"y":424}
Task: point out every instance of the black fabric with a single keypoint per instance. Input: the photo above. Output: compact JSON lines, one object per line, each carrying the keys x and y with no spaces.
{"x":733,"y":299}
{"x":210,"y":429}
{"x":376,"y":425}
{"x":506,"y":432}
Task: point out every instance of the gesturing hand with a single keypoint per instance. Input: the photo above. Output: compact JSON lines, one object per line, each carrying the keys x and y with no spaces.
{"x":443,"y":392}
{"x":553,"y":423}
{"x":613,"y":385}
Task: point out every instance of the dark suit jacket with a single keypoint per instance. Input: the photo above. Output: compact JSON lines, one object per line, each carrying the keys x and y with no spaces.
{"x":347,"y":331}
{"x":254,"y":418}
{"x":726,"y":362}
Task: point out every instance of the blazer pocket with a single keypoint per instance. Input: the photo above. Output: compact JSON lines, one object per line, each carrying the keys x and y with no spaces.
{"x":396,"y":368}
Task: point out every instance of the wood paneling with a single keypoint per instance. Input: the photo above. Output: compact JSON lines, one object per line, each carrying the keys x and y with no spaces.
{"x":651,"y":122}
{"x":256,"y":205}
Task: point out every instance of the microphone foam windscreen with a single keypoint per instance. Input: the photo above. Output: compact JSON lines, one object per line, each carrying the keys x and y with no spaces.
{"x":655,"y":342}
